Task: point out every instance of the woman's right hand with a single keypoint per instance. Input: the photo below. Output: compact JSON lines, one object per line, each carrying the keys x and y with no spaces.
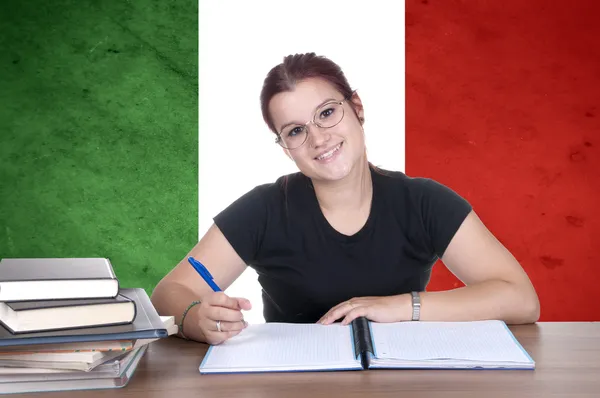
{"x":216,"y":309}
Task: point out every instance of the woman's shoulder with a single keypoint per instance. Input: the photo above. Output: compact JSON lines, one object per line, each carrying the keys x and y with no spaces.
{"x":439,"y":208}
{"x":417,"y":188}
{"x":399,"y":179}
{"x":279,"y":187}
{"x":257,"y":202}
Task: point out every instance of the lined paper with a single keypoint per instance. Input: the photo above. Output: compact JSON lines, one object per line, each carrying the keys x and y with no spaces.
{"x":478,"y":341}
{"x":279,"y":346}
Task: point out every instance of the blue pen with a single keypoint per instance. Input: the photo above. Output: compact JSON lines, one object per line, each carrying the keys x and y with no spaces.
{"x":201,"y":269}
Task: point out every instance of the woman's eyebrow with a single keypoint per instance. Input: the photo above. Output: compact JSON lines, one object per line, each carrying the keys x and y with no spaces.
{"x":316,"y":107}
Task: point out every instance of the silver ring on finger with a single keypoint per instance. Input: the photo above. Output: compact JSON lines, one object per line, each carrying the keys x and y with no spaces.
{"x":219,"y":326}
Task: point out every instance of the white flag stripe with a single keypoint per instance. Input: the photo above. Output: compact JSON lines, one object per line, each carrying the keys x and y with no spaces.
{"x":239,"y":42}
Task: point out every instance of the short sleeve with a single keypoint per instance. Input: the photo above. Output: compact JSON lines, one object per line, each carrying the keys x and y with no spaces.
{"x":243,"y":223}
{"x":442,"y":212}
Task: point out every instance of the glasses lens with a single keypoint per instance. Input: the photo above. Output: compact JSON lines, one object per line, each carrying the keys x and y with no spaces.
{"x":329,"y":115}
{"x":293,"y":136}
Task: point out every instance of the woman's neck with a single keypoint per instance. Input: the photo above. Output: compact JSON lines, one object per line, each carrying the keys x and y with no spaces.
{"x":352,"y":193}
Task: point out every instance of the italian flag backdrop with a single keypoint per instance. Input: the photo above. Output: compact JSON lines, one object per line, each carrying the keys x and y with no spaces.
{"x":99,"y":132}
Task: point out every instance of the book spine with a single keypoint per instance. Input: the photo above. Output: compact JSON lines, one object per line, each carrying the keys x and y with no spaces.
{"x":363,"y":343}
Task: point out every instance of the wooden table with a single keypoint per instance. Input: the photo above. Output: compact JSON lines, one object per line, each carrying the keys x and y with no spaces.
{"x":567,"y":359}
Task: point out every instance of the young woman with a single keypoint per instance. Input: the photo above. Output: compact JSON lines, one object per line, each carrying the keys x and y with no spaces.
{"x":341,"y":238}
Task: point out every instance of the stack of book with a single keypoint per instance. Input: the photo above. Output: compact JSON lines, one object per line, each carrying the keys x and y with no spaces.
{"x":66,"y":324}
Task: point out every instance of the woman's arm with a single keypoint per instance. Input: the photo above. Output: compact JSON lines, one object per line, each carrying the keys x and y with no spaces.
{"x":497,"y":287}
{"x":180,"y":287}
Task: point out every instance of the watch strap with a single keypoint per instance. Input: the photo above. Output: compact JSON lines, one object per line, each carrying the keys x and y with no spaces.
{"x":416,"y":306}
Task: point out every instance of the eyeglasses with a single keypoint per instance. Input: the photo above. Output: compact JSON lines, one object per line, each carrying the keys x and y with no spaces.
{"x":326,"y":116}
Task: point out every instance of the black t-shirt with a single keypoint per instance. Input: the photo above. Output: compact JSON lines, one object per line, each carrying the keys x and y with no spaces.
{"x":305,"y":266}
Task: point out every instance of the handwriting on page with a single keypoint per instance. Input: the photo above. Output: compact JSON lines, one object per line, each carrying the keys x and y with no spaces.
{"x":473,"y":341}
{"x":271,"y":345}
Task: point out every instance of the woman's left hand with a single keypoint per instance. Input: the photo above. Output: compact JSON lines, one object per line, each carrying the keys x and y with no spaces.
{"x":376,"y":309}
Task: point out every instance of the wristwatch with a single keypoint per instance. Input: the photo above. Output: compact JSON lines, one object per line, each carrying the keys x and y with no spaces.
{"x":416,"y":306}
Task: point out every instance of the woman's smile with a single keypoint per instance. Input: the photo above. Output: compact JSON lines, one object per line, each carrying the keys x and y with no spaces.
{"x":330,"y":155}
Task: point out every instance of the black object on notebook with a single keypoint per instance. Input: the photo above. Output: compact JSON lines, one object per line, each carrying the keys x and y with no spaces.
{"x":38,"y":316}
{"x":23,"y":279}
{"x":146,"y":325}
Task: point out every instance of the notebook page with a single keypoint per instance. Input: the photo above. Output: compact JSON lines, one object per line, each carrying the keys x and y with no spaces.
{"x":280,"y":345}
{"x":481,"y":341}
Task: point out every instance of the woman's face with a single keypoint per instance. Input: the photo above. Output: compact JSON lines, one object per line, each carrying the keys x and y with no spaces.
{"x":328,"y":153}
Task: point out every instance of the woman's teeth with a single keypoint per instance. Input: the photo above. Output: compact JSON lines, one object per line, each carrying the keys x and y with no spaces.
{"x":330,"y":153}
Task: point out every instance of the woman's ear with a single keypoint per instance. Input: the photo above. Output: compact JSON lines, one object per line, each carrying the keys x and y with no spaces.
{"x":356,"y":104}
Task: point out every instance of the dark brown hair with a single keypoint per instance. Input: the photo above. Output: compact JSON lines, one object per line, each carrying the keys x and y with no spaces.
{"x":294,"y":69}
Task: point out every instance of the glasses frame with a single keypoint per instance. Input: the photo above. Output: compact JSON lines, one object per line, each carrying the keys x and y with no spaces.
{"x":279,"y":140}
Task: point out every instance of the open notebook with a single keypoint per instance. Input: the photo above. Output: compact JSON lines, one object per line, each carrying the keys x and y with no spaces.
{"x":282,"y":347}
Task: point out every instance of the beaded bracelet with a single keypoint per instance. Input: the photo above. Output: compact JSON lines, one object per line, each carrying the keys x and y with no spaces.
{"x":189,"y":307}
